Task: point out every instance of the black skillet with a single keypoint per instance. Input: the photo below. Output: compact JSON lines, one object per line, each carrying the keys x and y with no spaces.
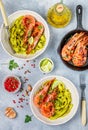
{"x":68,"y":35}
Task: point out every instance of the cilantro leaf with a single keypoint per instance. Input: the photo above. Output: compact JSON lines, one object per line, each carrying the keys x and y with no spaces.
{"x":27,"y":118}
{"x":13,"y":65}
{"x":11,"y":61}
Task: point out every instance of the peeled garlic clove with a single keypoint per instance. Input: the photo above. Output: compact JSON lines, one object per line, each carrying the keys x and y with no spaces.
{"x":10,"y":112}
{"x":29,"y":88}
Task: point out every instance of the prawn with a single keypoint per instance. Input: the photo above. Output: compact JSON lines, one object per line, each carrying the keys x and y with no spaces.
{"x":36,"y":34}
{"x":39,"y":97}
{"x":47,"y":107}
{"x":28,"y":22}
{"x":80,"y":54}
{"x":52,"y":96}
{"x":69,"y":48}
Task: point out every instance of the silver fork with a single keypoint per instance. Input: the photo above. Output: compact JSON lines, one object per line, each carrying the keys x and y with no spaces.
{"x":83,"y":99}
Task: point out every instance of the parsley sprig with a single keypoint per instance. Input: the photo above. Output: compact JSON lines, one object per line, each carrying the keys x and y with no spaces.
{"x":13,"y":65}
{"x":27,"y":118}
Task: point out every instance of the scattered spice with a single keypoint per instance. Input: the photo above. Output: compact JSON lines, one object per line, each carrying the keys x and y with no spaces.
{"x":27,"y":71}
{"x":23,"y":95}
{"x":14,"y":101}
{"x":21,"y":106}
{"x":26,"y":93}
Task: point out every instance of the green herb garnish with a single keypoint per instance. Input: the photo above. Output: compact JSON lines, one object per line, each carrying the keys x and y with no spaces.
{"x":13,"y":65}
{"x":29,"y":33}
{"x":27,"y":118}
{"x":41,"y":96}
{"x":39,"y":27}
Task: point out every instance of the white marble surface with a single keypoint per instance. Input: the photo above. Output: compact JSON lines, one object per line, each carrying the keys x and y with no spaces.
{"x":40,"y":7}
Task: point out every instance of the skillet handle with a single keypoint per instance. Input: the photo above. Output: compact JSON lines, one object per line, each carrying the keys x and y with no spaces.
{"x":79,"y":17}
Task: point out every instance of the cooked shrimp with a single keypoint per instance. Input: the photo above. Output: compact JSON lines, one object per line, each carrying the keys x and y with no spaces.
{"x":36,"y":34}
{"x":28,"y":22}
{"x":69,"y":48}
{"x":39,"y":97}
{"x":52,"y":96}
{"x":80,"y":54}
{"x":47,"y":109}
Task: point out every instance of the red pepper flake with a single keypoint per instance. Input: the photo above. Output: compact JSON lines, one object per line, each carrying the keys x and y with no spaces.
{"x":23,"y":95}
{"x":31,"y":64}
{"x":17,"y":106}
{"x":21,"y":99}
{"x":14,"y":101}
{"x":18,"y":68}
{"x":17,"y":94}
{"x":21,"y":89}
{"x":24,"y":64}
{"x":28,"y":71}
{"x":21,"y":106}
{"x":19,"y":102}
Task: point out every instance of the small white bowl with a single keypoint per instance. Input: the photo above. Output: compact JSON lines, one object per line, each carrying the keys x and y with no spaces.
{"x":18,"y":81}
{"x":4,"y":38}
{"x":48,"y":60}
{"x":75,"y":101}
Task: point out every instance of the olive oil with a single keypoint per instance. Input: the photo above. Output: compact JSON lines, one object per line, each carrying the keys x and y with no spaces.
{"x":59,"y":15}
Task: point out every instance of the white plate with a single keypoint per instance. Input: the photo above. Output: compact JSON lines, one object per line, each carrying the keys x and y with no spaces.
{"x":75,"y":101}
{"x":5,"y":40}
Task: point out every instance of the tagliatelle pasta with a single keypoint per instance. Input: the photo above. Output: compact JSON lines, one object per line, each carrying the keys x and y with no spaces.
{"x":63,"y":102}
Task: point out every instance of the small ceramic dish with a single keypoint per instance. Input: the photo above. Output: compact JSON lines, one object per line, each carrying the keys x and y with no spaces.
{"x":46,"y":65}
{"x":11,"y":84}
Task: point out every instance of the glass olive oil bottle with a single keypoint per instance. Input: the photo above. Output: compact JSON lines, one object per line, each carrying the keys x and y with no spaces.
{"x":59,"y":15}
